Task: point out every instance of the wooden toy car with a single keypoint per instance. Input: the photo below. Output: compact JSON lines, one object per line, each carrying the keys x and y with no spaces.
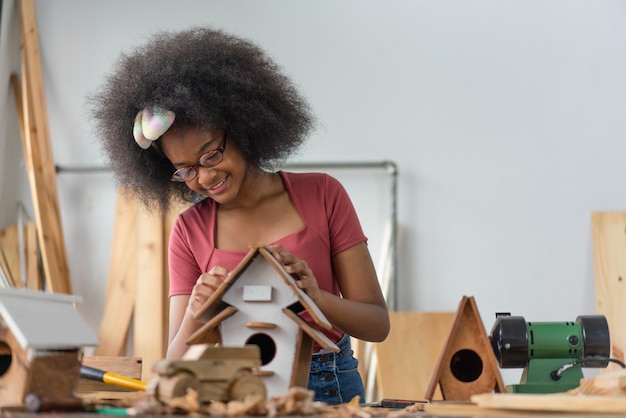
{"x":216,"y":374}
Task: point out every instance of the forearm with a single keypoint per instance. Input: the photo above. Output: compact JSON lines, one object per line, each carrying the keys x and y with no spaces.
{"x":362,"y":320}
{"x":178,"y":344}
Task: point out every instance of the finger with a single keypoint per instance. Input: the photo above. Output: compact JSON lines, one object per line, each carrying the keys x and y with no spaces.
{"x":278,"y":252}
{"x":275,"y":247}
{"x":219,"y":271}
{"x":299,"y":267}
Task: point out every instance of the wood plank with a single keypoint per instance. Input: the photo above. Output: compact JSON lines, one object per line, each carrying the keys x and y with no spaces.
{"x":9,"y":255}
{"x":209,"y":333}
{"x":9,"y":243}
{"x":122,"y":281}
{"x":19,"y":105}
{"x":414,"y":344}
{"x":317,"y":335}
{"x":7,"y":278}
{"x":40,"y":160}
{"x":468,"y":409}
{"x":150,"y":339}
{"x":31,"y":249}
{"x":609,"y":249}
{"x":552,"y":402}
{"x":121,"y":308}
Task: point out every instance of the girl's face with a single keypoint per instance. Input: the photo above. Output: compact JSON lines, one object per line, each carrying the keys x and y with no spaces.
{"x":207,"y":161}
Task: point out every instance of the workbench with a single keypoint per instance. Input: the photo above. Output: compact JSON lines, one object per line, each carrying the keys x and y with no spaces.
{"x":415,"y":415}
{"x":484,"y":405}
{"x":435,"y":409}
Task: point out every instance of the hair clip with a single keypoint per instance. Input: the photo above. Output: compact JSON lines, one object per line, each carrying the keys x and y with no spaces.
{"x":150,"y":124}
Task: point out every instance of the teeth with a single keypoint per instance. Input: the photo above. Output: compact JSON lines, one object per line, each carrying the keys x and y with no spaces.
{"x":218,"y":184}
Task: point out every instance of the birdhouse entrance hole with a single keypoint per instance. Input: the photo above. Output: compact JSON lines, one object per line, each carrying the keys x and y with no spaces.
{"x":5,"y":358}
{"x":466,"y":365}
{"x":266,"y":345}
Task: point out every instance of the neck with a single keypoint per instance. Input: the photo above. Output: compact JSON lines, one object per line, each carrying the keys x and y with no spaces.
{"x":258,"y":187}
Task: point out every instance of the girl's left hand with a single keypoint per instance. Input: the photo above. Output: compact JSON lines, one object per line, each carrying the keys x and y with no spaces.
{"x":299,"y":269}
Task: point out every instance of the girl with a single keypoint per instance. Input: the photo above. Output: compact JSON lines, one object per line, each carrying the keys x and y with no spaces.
{"x":203,"y":116}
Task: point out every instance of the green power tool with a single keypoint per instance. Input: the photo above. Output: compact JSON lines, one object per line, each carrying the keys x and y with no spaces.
{"x":551,"y":353}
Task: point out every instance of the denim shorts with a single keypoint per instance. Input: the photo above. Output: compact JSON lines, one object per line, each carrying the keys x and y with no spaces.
{"x":334,"y":376}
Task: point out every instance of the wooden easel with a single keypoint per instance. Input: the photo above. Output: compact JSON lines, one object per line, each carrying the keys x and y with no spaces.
{"x":32,"y":115}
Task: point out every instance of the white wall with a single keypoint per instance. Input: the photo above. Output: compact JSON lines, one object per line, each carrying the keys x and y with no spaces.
{"x":505,"y":117}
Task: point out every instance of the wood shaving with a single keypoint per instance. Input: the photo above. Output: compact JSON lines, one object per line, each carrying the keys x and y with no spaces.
{"x":297,"y":401}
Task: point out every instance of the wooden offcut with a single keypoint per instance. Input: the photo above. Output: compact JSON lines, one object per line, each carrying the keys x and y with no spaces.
{"x":39,"y":158}
{"x":467,"y":364}
{"x":408,"y":356}
{"x":609,"y":249}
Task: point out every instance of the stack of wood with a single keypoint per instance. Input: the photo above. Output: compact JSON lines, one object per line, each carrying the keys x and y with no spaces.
{"x":44,"y":239}
{"x":19,"y":257}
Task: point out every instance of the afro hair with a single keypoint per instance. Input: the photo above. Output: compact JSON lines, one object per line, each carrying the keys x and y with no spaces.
{"x":210,"y":79}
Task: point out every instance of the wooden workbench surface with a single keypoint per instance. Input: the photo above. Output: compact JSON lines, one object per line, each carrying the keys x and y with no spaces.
{"x":448,"y":413}
{"x":485,"y":405}
{"x":537,"y":406}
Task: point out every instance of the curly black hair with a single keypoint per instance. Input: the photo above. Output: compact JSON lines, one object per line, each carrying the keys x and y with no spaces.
{"x":208,"y":78}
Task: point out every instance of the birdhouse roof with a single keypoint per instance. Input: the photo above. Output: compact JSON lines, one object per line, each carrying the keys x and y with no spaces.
{"x":214,"y":305}
{"x":42,"y":320}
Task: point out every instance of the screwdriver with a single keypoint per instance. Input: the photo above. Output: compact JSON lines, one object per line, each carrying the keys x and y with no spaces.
{"x":98,"y":375}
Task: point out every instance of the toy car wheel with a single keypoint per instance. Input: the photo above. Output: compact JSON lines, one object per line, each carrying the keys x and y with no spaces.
{"x":247,"y":384}
{"x":176,"y":386}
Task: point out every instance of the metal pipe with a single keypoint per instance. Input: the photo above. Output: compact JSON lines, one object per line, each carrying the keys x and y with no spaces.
{"x":392,"y":169}
{"x":389,"y":166}
{"x":85,"y":169}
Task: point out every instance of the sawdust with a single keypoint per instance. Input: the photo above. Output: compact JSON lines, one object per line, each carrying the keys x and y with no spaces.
{"x":296,"y":402}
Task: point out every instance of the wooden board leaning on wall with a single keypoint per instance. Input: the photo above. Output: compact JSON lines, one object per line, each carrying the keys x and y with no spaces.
{"x":14,"y":259}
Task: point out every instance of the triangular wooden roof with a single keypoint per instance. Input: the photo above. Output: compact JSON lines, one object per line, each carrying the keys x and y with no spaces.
{"x":216,"y":310}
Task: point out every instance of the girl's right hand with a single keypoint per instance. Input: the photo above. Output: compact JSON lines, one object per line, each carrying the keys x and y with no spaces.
{"x":205,"y":286}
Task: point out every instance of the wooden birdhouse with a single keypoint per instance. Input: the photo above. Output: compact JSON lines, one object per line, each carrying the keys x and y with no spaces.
{"x":467,"y":364}
{"x":260,"y":303}
{"x":42,"y":337}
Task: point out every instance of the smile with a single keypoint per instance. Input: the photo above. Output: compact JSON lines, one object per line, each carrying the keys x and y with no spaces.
{"x":218,"y":184}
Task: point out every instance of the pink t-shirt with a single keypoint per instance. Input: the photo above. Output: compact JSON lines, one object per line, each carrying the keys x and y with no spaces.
{"x":331,"y":226}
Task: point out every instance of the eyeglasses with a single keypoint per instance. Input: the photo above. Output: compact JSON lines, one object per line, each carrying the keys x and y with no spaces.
{"x":208,"y":160}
